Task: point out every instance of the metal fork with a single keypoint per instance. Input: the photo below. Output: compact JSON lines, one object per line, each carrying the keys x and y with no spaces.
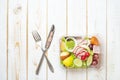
{"x":37,"y":39}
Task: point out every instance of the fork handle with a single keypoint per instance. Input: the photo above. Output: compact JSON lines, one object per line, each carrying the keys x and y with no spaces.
{"x":39,"y":65}
{"x":48,"y":62}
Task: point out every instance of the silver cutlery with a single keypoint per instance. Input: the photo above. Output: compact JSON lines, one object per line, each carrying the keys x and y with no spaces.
{"x":37,"y":39}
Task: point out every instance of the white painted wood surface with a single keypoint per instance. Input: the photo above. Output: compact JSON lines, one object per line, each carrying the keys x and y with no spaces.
{"x":20,"y":55}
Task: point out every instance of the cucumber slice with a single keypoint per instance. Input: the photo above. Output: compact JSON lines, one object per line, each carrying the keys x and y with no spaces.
{"x":77,"y":62}
{"x":91,"y":52}
{"x":89,"y":60}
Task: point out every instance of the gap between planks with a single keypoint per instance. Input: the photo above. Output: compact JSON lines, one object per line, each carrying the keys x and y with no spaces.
{"x":66,"y":29}
{"x":7,"y":13}
{"x":106,"y":40}
{"x":86,"y":31}
{"x":46,"y":35}
{"x":27,"y":42}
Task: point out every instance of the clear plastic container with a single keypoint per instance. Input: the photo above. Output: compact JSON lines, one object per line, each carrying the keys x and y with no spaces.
{"x":80,"y":52}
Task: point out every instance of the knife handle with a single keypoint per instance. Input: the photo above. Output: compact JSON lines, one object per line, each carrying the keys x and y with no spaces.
{"x":49,"y":64}
{"x":40,"y":63}
{"x":50,"y":37}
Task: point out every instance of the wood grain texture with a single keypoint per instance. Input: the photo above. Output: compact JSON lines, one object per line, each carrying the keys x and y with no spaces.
{"x":3,"y":40}
{"x":20,"y":55}
{"x":17,"y":40}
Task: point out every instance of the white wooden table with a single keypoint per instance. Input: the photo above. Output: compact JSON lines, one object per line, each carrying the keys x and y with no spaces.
{"x":19,"y":54}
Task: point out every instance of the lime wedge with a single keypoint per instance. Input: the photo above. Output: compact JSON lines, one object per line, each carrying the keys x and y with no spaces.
{"x":77,"y":62}
{"x":89,"y":60}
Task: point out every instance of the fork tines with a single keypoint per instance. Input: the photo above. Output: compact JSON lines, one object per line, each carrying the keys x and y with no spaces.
{"x":36,"y":36}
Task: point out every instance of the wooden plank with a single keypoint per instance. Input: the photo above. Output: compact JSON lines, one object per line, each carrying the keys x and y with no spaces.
{"x":17,"y":40}
{"x":97,"y":26}
{"x":41,"y":15}
{"x":3,"y":40}
{"x":113,"y":32}
{"x":76,"y":27}
{"x":56,"y":16}
{"x":36,"y":21}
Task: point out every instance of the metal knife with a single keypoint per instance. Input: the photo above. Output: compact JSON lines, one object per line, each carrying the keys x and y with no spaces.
{"x":47,"y":45}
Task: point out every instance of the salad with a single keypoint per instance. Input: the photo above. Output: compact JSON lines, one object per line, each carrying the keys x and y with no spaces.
{"x":78,"y":52}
